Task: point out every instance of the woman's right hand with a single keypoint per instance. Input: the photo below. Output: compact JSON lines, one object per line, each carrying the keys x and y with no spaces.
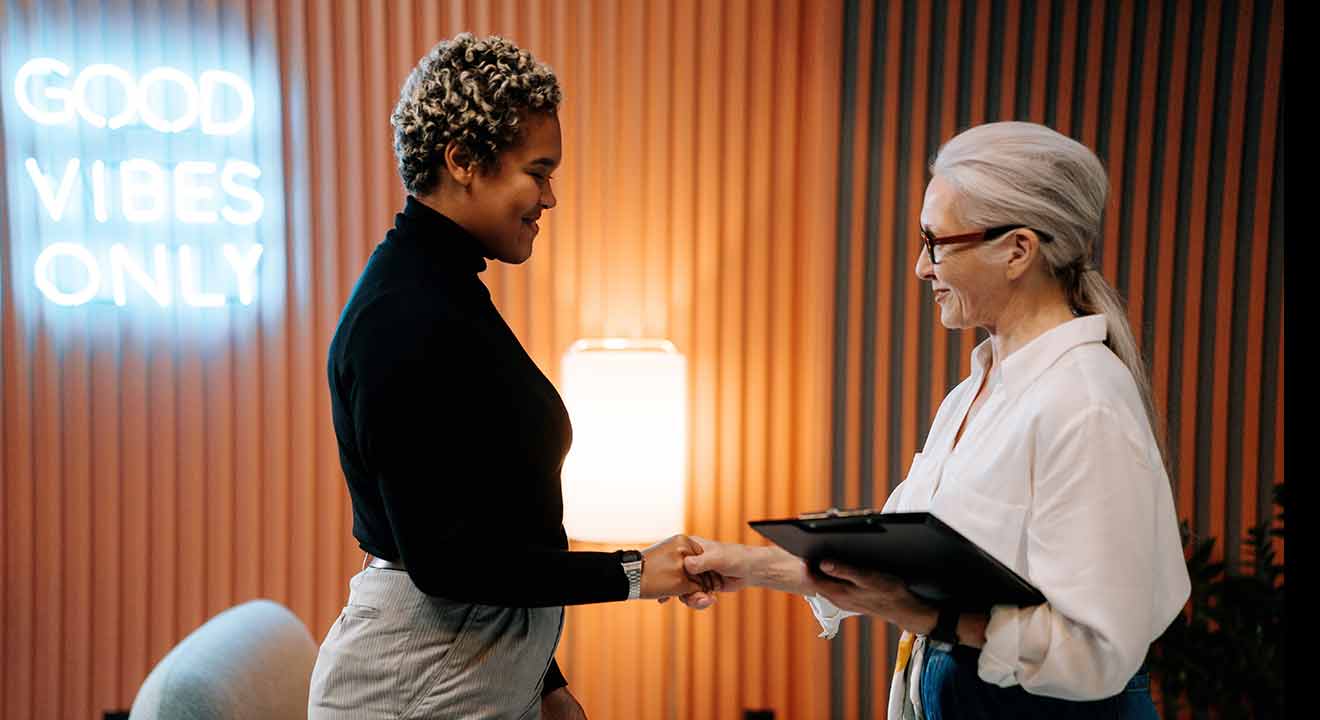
{"x":663,"y":574}
{"x":740,"y":566}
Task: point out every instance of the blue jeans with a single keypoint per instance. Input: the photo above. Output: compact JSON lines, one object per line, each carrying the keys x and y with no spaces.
{"x":951,"y":690}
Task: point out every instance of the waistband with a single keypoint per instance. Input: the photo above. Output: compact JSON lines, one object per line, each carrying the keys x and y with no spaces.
{"x":370,"y":560}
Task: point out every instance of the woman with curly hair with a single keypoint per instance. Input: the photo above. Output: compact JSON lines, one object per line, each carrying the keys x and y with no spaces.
{"x":450,"y":438}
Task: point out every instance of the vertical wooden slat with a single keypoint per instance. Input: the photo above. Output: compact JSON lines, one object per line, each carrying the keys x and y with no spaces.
{"x":17,"y":443}
{"x":884,"y":332}
{"x":1068,"y":60}
{"x":626,"y":298}
{"x":850,"y":314}
{"x":539,"y":336}
{"x":1168,"y":213}
{"x":682,"y":298}
{"x":730,"y":328}
{"x":564,"y":252}
{"x":780,"y":679}
{"x":979,"y":114}
{"x":760,"y":166}
{"x":48,"y":471}
{"x":1260,"y":239}
{"x":1227,"y":271}
{"x":136,"y":519}
{"x":274,"y":377}
{"x":1040,"y":60}
{"x":302,"y":316}
{"x":74,"y":505}
{"x":106,"y":522}
{"x":243,"y":419}
{"x":325,"y":42}
{"x":941,"y":337}
{"x":1094,"y":27}
{"x":657,"y":191}
{"x":916,"y":180}
{"x":1009,"y":69}
{"x":1141,"y":192}
{"x":705,"y":352}
{"x":8,"y":481}
{"x":883,"y":479}
{"x":1190,"y":491}
{"x":1117,"y":147}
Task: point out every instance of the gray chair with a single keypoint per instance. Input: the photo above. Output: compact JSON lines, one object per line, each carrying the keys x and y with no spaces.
{"x":251,"y":661}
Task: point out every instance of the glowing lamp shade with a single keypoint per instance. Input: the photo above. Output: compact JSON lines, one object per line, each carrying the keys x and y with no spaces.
{"x":624,"y":478}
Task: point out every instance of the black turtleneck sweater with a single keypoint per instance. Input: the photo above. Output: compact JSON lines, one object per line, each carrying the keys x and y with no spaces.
{"x":451,"y":439}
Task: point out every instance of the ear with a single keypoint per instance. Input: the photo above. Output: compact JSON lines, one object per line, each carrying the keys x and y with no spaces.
{"x":459,"y":163}
{"x":1023,"y":246}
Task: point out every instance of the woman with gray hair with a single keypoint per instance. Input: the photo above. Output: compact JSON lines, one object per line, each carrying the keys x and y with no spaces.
{"x":450,"y":438}
{"x":1048,"y":456}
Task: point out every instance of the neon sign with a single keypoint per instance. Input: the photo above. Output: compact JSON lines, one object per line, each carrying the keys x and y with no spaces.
{"x":199,"y":98}
{"x":214,"y":201}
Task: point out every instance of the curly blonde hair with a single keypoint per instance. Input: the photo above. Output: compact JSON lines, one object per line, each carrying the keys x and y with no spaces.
{"x":476,"y":91}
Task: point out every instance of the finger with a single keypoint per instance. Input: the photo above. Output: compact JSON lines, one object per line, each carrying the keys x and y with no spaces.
{"x":843,"y":572}
{"x":713,"y":581}
{"x":697,"y":564}
{"x":686,"y":584}
{"x":830,"y":588}
{"x":697,"y":600}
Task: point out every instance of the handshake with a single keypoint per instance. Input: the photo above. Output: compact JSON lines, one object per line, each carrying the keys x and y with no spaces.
{"x":694,"y":569}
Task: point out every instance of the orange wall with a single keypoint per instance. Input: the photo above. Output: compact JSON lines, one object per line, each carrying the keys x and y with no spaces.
{"x":151,"y":480}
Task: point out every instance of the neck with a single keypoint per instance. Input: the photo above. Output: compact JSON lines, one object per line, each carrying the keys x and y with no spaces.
{"x":441,"y":203}
{"x":1025,"y":317}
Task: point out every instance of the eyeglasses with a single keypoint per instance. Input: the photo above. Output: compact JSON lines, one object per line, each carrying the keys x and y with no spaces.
{"x":930,"y":241}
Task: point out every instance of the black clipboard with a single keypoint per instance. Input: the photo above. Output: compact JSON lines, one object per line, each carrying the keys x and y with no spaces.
{"x":939,"y":565}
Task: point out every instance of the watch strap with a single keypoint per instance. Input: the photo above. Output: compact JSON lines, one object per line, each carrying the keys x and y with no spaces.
{"x":632,"y":562}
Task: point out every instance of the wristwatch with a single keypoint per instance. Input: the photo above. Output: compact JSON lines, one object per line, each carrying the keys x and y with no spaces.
{"x":946,"y":626}
{"x":632,"y":567}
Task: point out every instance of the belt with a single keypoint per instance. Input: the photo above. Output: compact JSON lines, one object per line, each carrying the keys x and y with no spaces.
{"x":373,"y":561}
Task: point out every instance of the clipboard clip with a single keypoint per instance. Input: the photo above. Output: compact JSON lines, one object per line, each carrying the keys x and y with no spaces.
{"x":835,"y":513}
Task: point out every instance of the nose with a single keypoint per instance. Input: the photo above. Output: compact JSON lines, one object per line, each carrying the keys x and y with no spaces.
{"x":924,"y":269}
{"x":548,"y":199}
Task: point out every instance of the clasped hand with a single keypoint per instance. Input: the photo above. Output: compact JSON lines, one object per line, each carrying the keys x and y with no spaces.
{"x":732,"y":567}
{"x":663,"y":573}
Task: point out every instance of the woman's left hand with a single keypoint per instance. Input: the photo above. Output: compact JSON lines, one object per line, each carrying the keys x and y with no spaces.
{"x":877,"y":594}
{"x":561,"y":705}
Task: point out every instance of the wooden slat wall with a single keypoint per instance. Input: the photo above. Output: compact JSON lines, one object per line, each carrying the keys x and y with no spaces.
{"x":1181,"y":100}
{"x":150,"y":480}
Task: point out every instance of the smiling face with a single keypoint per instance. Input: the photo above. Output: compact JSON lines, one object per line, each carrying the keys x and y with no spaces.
{"x":505,"y":202}
{"x":968,"y":288}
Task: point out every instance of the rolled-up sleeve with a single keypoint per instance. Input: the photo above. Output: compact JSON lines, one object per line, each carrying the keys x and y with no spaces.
{"x":828,"y":615}
{"x":1095,"y":511}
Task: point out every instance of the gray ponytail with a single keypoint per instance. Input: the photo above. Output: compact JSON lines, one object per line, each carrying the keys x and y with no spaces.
{"x":1015,"y":172}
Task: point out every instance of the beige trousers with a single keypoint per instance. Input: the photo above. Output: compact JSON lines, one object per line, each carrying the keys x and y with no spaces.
{"x":396,"y":652}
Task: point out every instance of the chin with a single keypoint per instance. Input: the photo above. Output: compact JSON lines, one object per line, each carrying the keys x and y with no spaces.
{"x":951,"y":321}
{"x":517,"y":257}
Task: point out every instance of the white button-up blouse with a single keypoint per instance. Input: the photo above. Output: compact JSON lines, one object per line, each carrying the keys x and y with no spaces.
{"x":1059,"y":476}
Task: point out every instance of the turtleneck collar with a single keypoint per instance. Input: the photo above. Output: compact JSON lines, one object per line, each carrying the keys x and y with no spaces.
{"x":441,"y":239}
